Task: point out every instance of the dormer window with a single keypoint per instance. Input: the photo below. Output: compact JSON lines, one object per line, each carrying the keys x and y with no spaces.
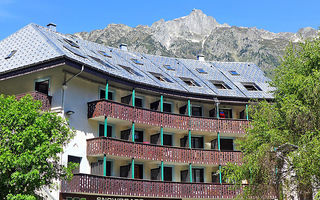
{"x":136,"y":61}
{"x":234,"y":73}
{"x":105,"y":54}
{"x":190,"y":82}
{"x":168,"y":67}
{"x":160,"y":77}
{"x":130,"y":70}
{"x":11,"y":54}
{"x":220,"y":85}
{"x":201,"y":70}
{"x":70,"y":42}
{"x":251,"y":87}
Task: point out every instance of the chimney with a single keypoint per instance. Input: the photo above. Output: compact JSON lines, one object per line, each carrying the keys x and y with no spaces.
{"x":200,"y":57}
{"x":124,"y":47}
{"x":52,"y":26}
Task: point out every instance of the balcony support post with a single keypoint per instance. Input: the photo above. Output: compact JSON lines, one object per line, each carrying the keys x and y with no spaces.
{"x":132,"y":132}
{"x":161,"y":128}
{"x":105,"y":126}
{"x":133,"y":98}
{"x":132,"y":168}
{"x":247,"y":112}
{"x":104,"y":165}
{"x":107,"y":90}
{"x":220,"y":176}
{"x":133,"y":104}
{"x":162,"y":171}
{"x":189,"y":114}
{"x":190,"y":172}
{"x":219,"y":148}
{"x":161,"y":103}
{"x":189,"y":138}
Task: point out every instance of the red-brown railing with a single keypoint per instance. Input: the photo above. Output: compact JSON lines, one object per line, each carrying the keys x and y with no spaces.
{"x":84,"y":183}
{"x":168,"y":120}
{"x":45,"y":99}
{"x":122,"y":148}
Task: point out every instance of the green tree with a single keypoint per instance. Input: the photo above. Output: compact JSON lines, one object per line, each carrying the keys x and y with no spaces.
{"x":30,"y":145}
{"x":282,"y":148}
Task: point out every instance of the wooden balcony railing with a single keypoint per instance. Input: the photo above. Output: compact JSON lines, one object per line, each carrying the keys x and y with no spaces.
{"x":169,"y":120}
{"x":45,"y":99}
{"x":91,"y":184}
{"x":122,"y":148}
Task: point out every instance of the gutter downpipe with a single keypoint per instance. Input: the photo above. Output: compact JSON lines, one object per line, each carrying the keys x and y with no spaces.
{"x":64,"y":86}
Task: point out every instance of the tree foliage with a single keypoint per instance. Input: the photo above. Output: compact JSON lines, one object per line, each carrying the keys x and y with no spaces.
{"x":30,"y":145}
{"x":282,"y":148}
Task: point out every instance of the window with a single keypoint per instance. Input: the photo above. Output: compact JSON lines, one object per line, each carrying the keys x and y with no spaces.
{"x":101,"y":130}
{"x":184,"y":175}
{"x":104,"y":54}
{"x":225,"y":113}
{"x":136,"y":61}
{"x":138,"y":136}
{"x":197,"y":142}
{"x":167,"y":139}
{"x":97,"y":168}
{"x":197,"y":175}
{"x":138,"y":171}
{"x":156,"y":173}
{"x":70,"y":42}
{"x":101,"y":62}
{"x":168,"y":67}
{"x":190,"y":82}
{"x":74,"y":51}
{"x":251,"y":87}
{"x":220,"y":85}
{"x":167,"y":107}
{"x":130,"y":70}
{"x":42,"y":86}
{"x":234,"y":73}
{"x":75,"y":159}
{"x":196,"y":110}
{"x":226,"y":144}
{"x":201,"y":70}
{"x":160,"y":77}
{"x":11,"y":54}
{"x":102,"y":94}
{"x":138,"y":102}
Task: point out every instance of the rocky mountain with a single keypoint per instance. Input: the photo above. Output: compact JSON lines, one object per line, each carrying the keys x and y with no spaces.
{"x":197,"y":33}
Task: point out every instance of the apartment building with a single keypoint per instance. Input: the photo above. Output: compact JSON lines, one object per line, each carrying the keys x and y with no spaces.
{"x":147,"y":126}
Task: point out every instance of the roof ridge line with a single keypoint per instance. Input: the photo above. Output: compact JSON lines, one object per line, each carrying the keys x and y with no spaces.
{"x":47,"y":39}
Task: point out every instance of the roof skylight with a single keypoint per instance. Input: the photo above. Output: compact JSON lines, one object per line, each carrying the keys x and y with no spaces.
{"x":101,"y":62}
{"x":234,"y":73}
{"x":136,"y":61}
{"x":160,"y":77}
{"x":251,"y":87}
{"x":220,"y":85}
{"x":168,"y":67}
{"x":105,"y":54}
{"x":11,"y":54}
{"x":190,"y":82}
{"x":201,"y":70}
{"x":74,"y":51}
{"x":72,"y":43}
{"x":130,"y":70}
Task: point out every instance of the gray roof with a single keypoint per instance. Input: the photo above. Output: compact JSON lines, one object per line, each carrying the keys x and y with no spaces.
{"x":35,"y":44}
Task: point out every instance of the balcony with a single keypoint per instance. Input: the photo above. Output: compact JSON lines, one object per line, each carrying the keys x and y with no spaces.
{"x":115,"y":147}
{"x":168,"y":120}
{"x":91,"y":184}
{"x":45,"y":99}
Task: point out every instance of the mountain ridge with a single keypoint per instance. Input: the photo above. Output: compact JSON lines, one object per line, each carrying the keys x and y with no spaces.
{"x":197,"y":33}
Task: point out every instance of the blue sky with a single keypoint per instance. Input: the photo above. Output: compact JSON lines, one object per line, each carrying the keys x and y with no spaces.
{"x":74,"y":16}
